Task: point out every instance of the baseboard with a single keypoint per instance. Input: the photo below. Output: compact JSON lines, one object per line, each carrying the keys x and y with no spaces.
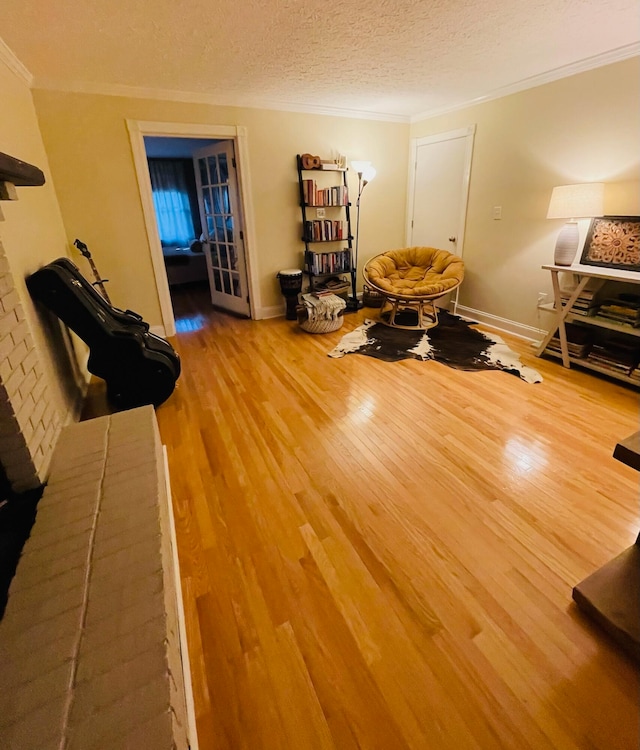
{"x":275,"y":311}
{"x":158,"y":331}
{"x":502,"y":324}
{"x":279,"y":311}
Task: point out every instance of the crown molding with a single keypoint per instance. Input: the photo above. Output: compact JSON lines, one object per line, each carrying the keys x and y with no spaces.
{"x":191,"y":97}
{"x":565,"y":71}
{"x":8,"y":57}
{"x":232,"y":100}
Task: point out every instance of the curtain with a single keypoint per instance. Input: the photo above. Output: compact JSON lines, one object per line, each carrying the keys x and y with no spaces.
{"x":171,"y":198}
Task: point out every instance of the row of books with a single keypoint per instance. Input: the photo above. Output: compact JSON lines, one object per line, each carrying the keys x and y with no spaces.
{"x":617,"y":354}
{"x":334,"y":285}
{"x":579,"y":341}
{"x":331,"y":196}
{"x":624,"y":310}
{"x":323,"y":230}
{"x":338,"y":262}
{"x":584,"y":304}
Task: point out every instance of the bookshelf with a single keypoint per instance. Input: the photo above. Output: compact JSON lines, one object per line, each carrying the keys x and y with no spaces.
{"x":326,"y":224}
{"x":597,"y":321}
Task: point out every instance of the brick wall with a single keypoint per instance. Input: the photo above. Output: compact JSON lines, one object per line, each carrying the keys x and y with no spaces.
{"x":29,"y":420}
{"x":90,"y":649}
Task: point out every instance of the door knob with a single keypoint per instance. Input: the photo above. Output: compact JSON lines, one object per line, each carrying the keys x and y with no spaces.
{"x":452,"y":239}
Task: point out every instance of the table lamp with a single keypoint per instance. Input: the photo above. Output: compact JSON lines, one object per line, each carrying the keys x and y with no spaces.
{"x":573,"y":202}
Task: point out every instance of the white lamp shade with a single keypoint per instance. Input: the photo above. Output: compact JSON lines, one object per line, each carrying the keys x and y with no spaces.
{"x":580,"y":201}
{"x":368,"y":174}
{"x":360,"y":166}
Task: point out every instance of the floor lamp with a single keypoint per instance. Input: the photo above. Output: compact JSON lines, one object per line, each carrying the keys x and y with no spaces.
{"x":366,"y":173}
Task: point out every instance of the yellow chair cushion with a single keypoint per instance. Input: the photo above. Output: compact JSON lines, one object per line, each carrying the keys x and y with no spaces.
{"x":415,"y":272}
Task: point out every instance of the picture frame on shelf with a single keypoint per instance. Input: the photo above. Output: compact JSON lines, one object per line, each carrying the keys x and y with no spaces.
{"x":613,"y":242}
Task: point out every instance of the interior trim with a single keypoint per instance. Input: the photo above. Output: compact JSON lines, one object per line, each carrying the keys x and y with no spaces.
{"x":192,"y":97}
{"x":8,"y":57}
{"x":502,"y":324}
{"x":597,"y":61}
{"x":239,"y":134}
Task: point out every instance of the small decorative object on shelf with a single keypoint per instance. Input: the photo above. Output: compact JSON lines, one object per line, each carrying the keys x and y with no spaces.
{"x":326,"y":220}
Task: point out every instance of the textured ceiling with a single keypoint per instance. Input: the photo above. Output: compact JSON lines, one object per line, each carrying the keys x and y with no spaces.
{"x":398,"y":57}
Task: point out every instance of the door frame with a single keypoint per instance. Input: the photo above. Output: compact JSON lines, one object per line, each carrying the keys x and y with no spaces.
{"x":468,"y":133}
{"x":138,"y":129}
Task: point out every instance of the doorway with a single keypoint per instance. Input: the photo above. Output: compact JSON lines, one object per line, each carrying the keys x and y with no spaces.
{"x":439,"y":174}
{"x":239,"y":222}
{"x":178,"y":218}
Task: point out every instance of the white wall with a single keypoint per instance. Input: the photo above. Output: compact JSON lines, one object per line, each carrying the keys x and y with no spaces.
{"x":32,"y":234}
{"x":580,"y":129}
{"x":88,"y":147}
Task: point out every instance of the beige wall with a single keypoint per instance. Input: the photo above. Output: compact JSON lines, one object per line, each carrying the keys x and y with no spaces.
{"x":89,"y":150}
{"x":32,"y":232}
{"x":580,"y":129}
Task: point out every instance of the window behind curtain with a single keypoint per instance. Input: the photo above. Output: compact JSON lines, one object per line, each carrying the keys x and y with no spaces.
{"x":175,"y":201}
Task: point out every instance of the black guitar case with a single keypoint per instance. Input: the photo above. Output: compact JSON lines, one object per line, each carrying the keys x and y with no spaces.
{"x":138,"y":366}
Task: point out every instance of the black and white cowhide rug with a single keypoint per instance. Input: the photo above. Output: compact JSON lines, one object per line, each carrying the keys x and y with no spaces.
{"x":454,"y":342}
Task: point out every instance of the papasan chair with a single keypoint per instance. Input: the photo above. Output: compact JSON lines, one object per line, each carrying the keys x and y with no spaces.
{"x":411,"y":280}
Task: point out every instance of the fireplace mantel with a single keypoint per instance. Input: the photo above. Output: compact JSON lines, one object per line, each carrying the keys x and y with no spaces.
{"x":19,"y":173}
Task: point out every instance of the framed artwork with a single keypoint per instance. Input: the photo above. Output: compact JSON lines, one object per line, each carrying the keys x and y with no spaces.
{"x":613,"y":242}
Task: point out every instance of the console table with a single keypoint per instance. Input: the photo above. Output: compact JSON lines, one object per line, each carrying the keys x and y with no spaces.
{"x":611,"y":595}
{"x":563,"y":313}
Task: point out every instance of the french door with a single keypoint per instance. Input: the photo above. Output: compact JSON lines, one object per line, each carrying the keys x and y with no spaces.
{"x":218,"y":198}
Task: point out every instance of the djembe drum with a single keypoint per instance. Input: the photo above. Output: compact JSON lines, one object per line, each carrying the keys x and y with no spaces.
{"x":290,"y":285}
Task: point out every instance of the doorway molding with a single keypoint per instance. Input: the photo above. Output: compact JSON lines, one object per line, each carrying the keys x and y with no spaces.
{"x":468,"y":133}
{"x":138,"y":129}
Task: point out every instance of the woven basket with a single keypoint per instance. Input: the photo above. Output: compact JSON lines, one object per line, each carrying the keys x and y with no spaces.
{"x":322,"y":325}
{"x":371,"y":298}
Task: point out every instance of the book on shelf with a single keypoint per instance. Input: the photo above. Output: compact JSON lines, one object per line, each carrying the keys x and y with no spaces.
{"x":579,"y":340}
{"x":324,"y":230}
{"x":635,"y":374}
{"x":334,"y":285}
{"x":624,"y":310}
{"x":616,"y":354}
{"x":331,"y":196}
{"x":328,"y":263}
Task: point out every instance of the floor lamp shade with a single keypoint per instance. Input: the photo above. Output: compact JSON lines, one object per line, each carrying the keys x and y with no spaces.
{"x":572,"y":202}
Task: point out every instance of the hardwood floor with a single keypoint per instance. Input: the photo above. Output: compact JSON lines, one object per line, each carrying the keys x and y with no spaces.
{"x":381,"y":555}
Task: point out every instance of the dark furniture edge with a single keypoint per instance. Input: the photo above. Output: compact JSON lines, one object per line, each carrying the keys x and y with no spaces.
{"x":19,"y":173}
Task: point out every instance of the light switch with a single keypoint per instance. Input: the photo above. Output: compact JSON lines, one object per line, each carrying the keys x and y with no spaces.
{"x":497,"y":212}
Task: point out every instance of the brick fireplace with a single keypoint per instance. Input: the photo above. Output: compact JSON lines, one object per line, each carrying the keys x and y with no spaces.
{"x":29,"y":420}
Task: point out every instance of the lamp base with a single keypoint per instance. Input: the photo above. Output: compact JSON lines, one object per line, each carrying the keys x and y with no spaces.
{"x":566,"y":244}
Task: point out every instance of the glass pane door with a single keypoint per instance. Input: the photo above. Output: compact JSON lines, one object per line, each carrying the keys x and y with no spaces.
{"x":218,"y":191}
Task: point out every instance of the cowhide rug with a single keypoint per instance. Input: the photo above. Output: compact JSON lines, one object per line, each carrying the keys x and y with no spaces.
{"x":454,"y":342}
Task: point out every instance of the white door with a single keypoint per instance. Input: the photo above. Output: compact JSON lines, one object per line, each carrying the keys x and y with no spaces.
{"x":217,"y":183}
{"x":438,"y":190}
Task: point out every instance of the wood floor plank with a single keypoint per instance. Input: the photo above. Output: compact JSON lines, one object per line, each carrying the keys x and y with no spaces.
{"x":381,"y":555}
